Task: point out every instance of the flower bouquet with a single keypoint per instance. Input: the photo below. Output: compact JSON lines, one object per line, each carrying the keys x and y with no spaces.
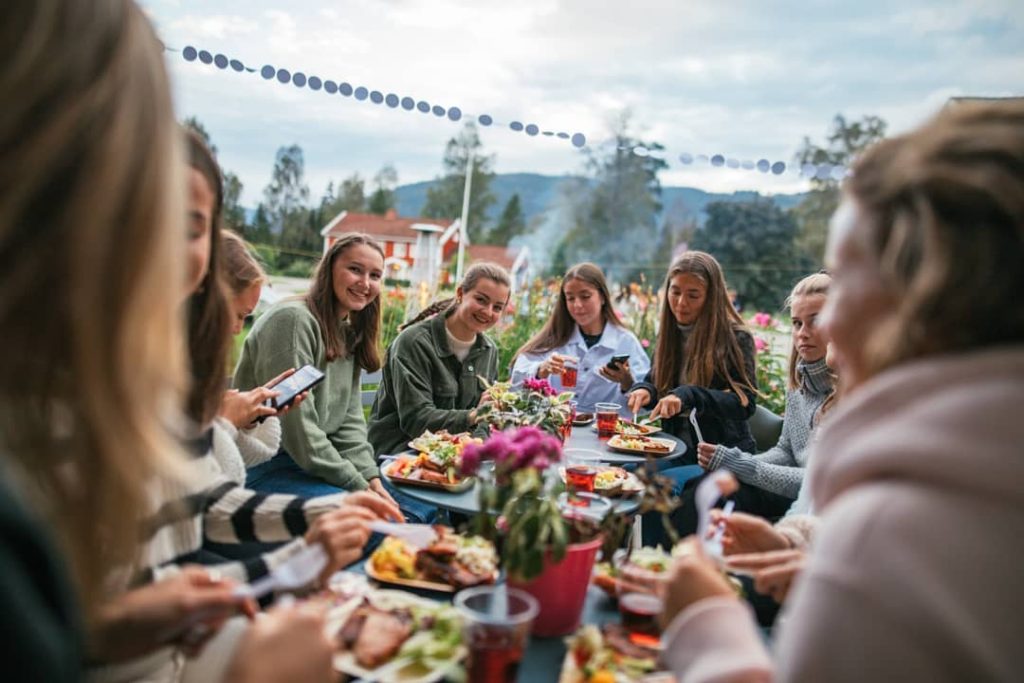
{"x":544,"y":550}
{"x":535,"y":403}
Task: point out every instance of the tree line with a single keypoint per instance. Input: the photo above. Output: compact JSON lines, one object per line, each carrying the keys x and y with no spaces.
{"x":610,"y":213}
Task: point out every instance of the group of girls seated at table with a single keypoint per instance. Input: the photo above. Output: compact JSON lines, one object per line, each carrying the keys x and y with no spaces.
{"x":127,"y":464}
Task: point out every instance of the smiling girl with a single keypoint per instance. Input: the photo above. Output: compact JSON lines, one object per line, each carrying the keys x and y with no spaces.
{"x":584,"y":326}
{"x":335,"y":328}
{"x":432,"y":371}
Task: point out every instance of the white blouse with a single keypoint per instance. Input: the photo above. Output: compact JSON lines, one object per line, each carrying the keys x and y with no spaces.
{"x":591,"y":388}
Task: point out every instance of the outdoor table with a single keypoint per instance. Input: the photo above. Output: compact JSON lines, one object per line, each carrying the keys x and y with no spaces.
{"x":467,"y":502}
{"x":542,"y":661}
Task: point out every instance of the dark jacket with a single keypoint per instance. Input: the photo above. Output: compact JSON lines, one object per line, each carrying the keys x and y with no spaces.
{"x":720,"y":414}
{"x":40,"y":637}
{"x":424,"y":386}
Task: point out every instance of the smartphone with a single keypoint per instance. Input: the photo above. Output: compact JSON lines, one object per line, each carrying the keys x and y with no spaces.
{"x":616,"y":361}
{"x":303,"y":379}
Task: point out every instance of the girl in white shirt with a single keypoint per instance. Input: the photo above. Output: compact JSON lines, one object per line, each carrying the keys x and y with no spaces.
{"x":585,"y":327}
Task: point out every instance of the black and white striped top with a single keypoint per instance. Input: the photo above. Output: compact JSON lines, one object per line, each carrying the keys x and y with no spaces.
{"x":210,"y":507}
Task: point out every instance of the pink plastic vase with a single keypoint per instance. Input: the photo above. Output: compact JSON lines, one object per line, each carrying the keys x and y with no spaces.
{"x":561,"y":590}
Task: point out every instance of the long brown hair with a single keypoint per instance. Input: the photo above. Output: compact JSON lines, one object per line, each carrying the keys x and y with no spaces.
{"x":712,"y":347}
{"x":944,"y":209}
{"x":559,"y":327}
{"x":476,"y":272}
{"x":92,"y":246}
{"x":814,"y":284}
{"x":209,"y":314}
{"x":323,"y":304}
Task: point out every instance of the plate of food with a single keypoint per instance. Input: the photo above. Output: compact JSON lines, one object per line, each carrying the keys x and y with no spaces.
{"x":442,"y":444}
{"x":425,"y":471}
{"x":635,"y":572}
{"x":627,"y":428}
{"x":643,"y":445}
{"x":582,"y":419}
{"x":611,"y":654}
{"x":449,"y":564}
{"x":613,"y":481}
{"x":396,"y":637}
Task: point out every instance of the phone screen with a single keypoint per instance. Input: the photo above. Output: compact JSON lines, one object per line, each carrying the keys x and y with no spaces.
{"x":305,"y":378}
{"x":616,"y":361}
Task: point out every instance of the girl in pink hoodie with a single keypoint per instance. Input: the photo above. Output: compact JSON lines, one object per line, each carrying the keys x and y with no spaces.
{"x":914,"y":574}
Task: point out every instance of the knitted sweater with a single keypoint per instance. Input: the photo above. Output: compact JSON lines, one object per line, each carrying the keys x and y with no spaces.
{"x":781,"y":468}
{"x":326,"y":433}
{"x":236,"y":449}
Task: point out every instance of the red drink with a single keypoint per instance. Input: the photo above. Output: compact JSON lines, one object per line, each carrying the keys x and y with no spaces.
{"x":580,"y":478}
{"x":606,"y":423}
{"x":640,"y":613}
{"x":569,"y":376}
{"x":493,"y":656}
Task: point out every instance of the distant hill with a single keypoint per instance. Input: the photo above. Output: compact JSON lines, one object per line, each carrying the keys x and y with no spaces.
{"x":539,"y":193}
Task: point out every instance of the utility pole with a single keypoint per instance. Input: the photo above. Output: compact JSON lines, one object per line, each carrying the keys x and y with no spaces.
{"x":465,"y":217}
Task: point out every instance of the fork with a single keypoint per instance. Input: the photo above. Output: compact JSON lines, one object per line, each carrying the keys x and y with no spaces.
{"x":416,"y":535}
{"x":298,"y":571}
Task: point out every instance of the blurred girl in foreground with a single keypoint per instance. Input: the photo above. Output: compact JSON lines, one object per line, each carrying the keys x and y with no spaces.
{"x":92,"y":238}
{"x":913,"y":570}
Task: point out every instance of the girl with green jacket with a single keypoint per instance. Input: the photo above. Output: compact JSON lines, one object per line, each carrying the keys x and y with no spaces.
{"x":432,"y":371}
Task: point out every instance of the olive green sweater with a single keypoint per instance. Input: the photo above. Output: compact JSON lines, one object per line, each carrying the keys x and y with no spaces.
{"x":424,"y":386}
{"x":326,"y":434}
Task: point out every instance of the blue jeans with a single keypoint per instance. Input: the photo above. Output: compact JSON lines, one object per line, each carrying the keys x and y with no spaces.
{"x":281,"y":474}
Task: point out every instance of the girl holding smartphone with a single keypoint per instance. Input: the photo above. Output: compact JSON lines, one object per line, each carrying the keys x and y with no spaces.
{"x":584,"y":331}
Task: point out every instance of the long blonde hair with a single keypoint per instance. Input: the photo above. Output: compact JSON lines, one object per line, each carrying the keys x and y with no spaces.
{"x":944,"y":215}
{"x":480,"y":270}
{"x":712,"y":347}
{"x":92,"y":242}
{"x":814,"y":284}
{"x":241,"y":269}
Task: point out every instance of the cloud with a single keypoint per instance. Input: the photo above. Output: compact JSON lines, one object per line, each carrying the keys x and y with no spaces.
{"x":745,"y":78}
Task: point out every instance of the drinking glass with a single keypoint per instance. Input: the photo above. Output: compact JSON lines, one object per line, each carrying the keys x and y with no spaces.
{"x":496,"y":622}
{"x":570,"y":368}
{"x":607,"y":419}
{"x":580,"y":472}
{"x":567,"y":427}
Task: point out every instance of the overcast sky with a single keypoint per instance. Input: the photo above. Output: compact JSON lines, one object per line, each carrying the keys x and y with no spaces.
{"x":747,"y":79}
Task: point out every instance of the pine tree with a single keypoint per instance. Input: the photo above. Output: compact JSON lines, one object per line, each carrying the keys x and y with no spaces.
{"x":511,"y":224}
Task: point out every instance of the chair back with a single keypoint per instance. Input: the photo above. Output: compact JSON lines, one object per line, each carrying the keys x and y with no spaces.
{"x":766,"y":428}
{"x":368,"y":383}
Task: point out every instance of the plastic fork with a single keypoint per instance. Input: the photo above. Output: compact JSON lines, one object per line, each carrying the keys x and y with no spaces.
{"x":298,"y":571}
{"x":696,"y":427}
{"x":713,"y":545}
{"x":416,"y":535}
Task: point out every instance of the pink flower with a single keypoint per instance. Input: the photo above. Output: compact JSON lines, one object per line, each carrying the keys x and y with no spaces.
{"x":760,"y":344}
{"x":619,"y":315}
{"x":645,"y":343}
{"x":762,"y":319}
{"x":541,"y":386}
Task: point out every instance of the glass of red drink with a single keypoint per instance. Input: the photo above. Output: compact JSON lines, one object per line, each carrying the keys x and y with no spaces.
{"x":570,"y":368}
{"x":567,"y":427}
{"x":640,"y":612}
{"x":496,"y":622}
{"x":607,"y":419}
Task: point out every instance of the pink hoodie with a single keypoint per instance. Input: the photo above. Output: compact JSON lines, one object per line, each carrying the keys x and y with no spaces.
{"x":917,"y":569}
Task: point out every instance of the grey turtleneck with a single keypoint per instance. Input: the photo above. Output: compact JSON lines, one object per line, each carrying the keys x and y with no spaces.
{"x":781,"y":468}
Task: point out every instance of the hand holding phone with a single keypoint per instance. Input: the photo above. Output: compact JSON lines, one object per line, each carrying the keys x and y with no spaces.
{"x":616,"y":361}
{"x":289,"y":388}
